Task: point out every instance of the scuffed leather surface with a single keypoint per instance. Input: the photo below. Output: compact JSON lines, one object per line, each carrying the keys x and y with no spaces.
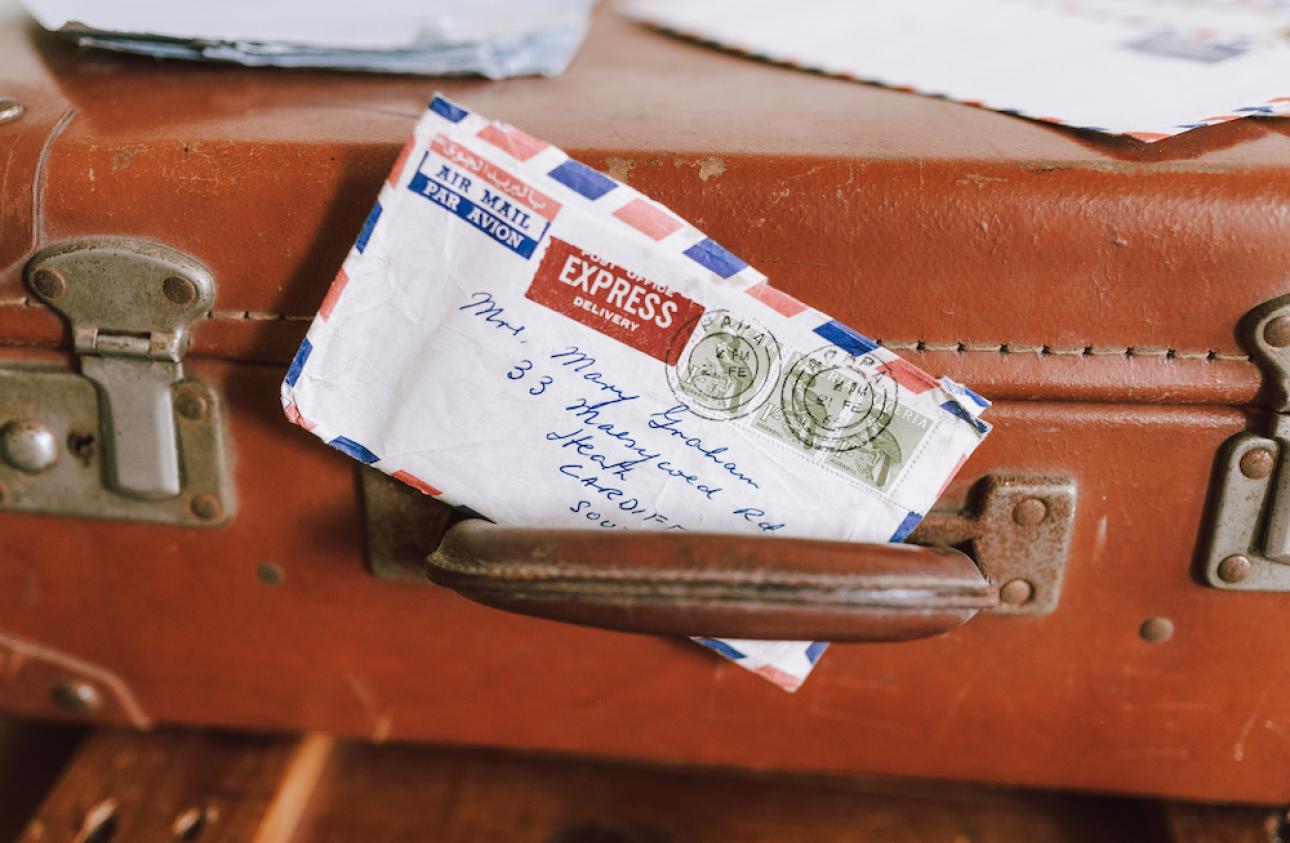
{"x":1074,"y":699}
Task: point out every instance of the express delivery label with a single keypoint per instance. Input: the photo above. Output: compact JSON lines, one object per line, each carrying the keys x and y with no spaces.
{"x":502,"y":206}
{"x":612,"y":300}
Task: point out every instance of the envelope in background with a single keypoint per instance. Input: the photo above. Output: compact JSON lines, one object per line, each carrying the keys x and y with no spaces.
{"x":1150,"y":69}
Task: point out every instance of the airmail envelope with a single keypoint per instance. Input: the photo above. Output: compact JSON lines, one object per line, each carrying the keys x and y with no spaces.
{"x":524,"y":337}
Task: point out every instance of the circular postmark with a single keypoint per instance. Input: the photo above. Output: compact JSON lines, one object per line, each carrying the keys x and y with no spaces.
{"x":722,"y":366}
{"x":833,"y":401}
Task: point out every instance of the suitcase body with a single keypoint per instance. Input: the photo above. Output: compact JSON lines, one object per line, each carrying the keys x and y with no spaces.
{"x":1096,"y":289}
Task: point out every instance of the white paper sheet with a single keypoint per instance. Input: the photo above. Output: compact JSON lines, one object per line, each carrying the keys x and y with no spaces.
{"x":1150,"y":69}
{"x":523,"y":336}
{"x":496,"y":38}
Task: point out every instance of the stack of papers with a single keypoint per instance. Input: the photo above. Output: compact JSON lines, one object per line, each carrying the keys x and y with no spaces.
{"x":492,"y":38}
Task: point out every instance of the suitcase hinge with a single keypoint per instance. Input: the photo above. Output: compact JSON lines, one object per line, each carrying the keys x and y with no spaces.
{"x":1249,"y":546}
{"x":130,"y":305}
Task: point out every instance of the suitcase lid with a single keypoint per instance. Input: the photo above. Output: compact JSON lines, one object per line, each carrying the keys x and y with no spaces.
{"x":1031,"y":261}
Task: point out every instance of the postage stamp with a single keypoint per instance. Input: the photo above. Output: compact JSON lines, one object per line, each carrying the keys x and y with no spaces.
{"x":723,"y":366}
{"x":831,"y":401}
{"x":882,"y":461}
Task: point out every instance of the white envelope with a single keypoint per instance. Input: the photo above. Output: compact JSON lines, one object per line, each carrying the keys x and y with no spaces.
{"x":1150,"y":69}
{"x":525,"y":337}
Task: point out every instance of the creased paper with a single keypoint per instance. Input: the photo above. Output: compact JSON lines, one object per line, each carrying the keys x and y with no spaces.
{"x":494,"y":38}
{"x":1150,"y":69}
{"x":525,"y":337}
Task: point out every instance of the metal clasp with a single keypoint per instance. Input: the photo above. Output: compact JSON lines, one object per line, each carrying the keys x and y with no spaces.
{"x":128,"y":437}
{"x":1249,"y":545}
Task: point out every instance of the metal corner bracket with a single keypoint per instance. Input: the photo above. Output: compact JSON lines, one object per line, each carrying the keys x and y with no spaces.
{"x":129,"y":437}
{"x":1018,"y":531}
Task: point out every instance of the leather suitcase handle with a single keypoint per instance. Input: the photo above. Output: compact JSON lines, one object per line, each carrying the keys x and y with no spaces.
{"x":690,"y":584}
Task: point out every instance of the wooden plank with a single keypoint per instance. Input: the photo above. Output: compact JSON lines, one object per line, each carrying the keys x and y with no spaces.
{"x":164,"y":786}
{"x":299,"y":779}
{"x":1191,"y":822}
{"x":407,"y":793}
{"x":218,"y":788}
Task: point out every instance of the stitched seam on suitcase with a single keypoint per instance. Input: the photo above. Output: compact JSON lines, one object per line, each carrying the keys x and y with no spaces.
{"x":922,"y":347}
{"x":916,"y":346}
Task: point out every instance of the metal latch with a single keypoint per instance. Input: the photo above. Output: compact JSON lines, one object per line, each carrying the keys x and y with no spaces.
{"x":1016,"y":527}
{"x":128,"y":437}
{"x":1249,"y":547}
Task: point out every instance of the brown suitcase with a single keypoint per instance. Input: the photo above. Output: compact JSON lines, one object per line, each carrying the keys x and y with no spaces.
{"x":1099,"y":290}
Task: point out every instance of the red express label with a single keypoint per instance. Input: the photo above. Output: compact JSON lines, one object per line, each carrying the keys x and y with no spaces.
{"x":617,"y":303}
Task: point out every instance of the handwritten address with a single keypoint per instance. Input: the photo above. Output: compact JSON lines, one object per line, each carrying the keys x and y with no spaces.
{"x":609,"y":442}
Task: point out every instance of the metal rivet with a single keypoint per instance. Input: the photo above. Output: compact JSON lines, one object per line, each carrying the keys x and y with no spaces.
{"x":191,"y":404}
{"x":77,"y":695}
{"x":49,"y":283}
{"x":80,"y":444}
{"x":1257,"y":463}
{"x":179,"y":290}
{"x":206,"y":506}
{"x":1234,"y":568}
{"x":28,"y":446}
{"x":270,"y":573}
{"x":1016,"y":592}
{"x":1156,"y":629}
{"x":1030,"y":512}
{"x":10,"y":109}
{"x":1277,"y":332}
